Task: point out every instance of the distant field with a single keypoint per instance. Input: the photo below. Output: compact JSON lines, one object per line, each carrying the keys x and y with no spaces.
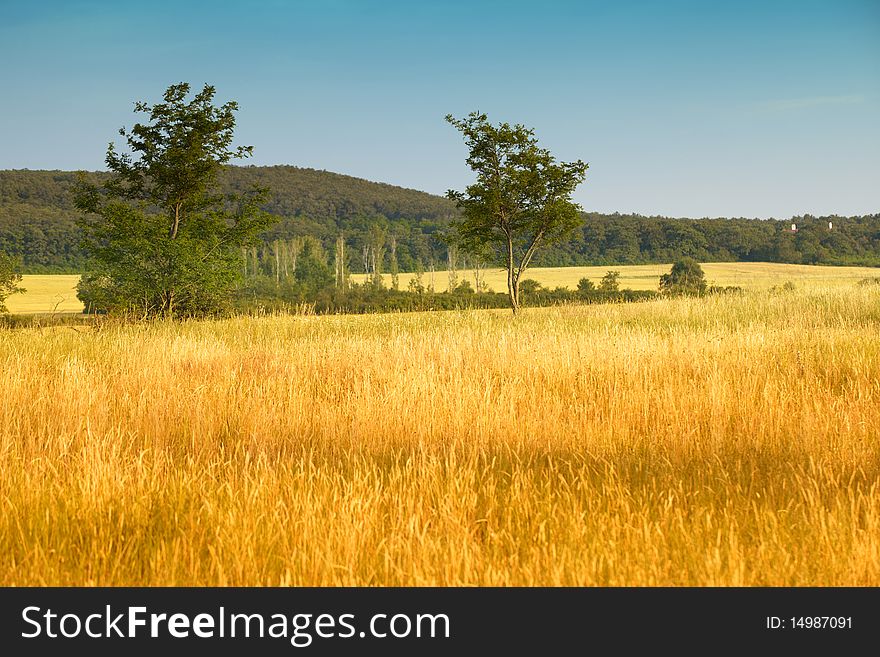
{"x":46,"y":294}
{"x":750,"y":275}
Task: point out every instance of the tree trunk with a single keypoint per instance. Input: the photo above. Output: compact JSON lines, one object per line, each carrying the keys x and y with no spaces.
{"x":340,"y":262}
{"x":512,"y":278}
{"x":513,"y":292}
{"x":175,"y":226}
{"x":452,"y":267}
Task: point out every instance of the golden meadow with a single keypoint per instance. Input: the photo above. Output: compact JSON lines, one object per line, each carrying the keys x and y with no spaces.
{"x":729,"y":440}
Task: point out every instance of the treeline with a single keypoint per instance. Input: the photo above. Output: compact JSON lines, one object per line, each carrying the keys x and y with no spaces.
{"x":299,"y":274}
{"x":633,"y":239}
{"x":264,"y":296}
{"x":386,"y":228}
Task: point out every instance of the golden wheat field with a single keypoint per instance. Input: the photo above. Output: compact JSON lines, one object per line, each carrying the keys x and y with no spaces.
{"x":729,"y":440}
{"x":46,"y":293}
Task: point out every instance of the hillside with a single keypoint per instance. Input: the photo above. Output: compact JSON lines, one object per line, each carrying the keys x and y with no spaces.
{"x":37,"y":217}
{"x":37,"y":224}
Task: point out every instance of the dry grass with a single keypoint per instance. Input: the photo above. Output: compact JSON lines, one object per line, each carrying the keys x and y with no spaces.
{"x":722,"y":441}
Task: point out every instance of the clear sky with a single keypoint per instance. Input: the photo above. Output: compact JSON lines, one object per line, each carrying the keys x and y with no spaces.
{"x":756,"y":109}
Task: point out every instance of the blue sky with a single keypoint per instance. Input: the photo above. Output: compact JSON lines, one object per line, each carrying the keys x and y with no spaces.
{"x":753,"y":109}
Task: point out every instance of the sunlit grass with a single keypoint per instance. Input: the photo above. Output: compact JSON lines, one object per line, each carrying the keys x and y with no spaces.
{"x":728,"y":440}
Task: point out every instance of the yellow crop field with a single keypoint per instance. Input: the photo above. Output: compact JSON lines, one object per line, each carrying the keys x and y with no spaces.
{"x":46,"y":294}
{"x":750,"y":275}
{"x":727,"y":440}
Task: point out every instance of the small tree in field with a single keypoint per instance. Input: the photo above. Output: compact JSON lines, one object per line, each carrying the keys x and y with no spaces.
{"x":686,"y":277}
{"x":9,"y":280}
{"x":162,"y":239}
{"x":585,"y":286}
{"x":529,"y":287}
{"x":609,"y":282}
{"x":520,"y":202}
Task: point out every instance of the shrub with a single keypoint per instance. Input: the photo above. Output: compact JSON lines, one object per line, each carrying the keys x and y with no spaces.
{"x":585,"y":286}
{"x":609,"y":282}
{"x":686,"y":277}
{"x":530,"y":287}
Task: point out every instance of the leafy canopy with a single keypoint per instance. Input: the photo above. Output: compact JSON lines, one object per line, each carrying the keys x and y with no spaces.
{"x":520,"y":201}
{"x":161,"y":236}
{"x":9,"y":280}
{"x":685,"y":277}
{"x":610,"y":282}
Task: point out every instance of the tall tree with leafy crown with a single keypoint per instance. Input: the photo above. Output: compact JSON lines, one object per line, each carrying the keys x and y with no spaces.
{"x":520,"y":202}
{"x":163,"y":240}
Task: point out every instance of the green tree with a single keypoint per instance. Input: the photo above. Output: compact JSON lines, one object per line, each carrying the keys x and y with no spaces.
{"x":520,"y":201}
{"x":529,"y":287}
{"x":609,"y":282}
{"x":9,"y":280}
{"x":463,"y":287}
{"x":585,"y":287}
{"x":415,"y":283}
{"x":312,"y":271}
{"x":686,"y":277}
{"x":161,"y":237}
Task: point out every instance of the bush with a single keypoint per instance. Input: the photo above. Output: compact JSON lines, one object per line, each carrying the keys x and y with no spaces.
{"x":686,"y":277}
{"x":529,"y":287}
{"x":585,"y":286}
{"x":726,"y":289}
{"x":609,"y":282}
{"x":787,"y":287}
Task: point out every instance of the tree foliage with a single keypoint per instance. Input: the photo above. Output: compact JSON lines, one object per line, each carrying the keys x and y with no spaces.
{"x":520,"y":202}
{"x":610,"y":282}
{"x":9,"y":280}
{"x":37,"y":226}
{"x":686,"y":277}
{"x":585,"y":286}
{"x":162,"y":237}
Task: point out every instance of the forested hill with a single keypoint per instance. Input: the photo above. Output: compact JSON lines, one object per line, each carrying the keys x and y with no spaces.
{"x":37,"y":224}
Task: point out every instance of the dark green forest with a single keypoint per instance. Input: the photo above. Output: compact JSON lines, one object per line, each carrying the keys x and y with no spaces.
{"x":386,"y":228}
